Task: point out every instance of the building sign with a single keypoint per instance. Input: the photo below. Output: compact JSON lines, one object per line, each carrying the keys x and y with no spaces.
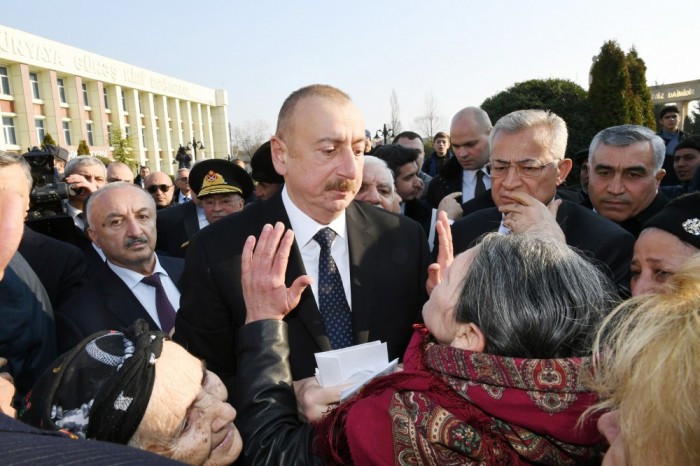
{"x":26,"y":48}
{"x":678,"y":92}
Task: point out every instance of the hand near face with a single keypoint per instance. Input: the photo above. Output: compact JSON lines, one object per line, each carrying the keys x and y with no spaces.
{"x":79,"y":181}
{"x":445,"y":252}
{"x":7,"y":392}
{"x":263,"y":269}
{"x":450,"y":206}
{"x":313,"y":401}
{"x":530,"y":215}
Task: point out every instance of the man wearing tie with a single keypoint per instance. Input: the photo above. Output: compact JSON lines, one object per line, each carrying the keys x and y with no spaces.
{"x":465,"y":172}
{"x":527,"y":164}
{"x":368,"y":266}
{"x":134,"y":283}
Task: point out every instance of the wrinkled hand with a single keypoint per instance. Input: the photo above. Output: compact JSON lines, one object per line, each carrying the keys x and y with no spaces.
{"x":450,"y":206}
{"x":7,"y":391}
{"x":445,"y":252}
{"x":313,"y":401}
{"x":262,"y":275}
{"x":529,"y":214}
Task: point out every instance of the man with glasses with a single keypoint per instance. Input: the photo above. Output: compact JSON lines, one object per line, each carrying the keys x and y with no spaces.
{"x":526,"y":165}
{"x":625,"y":172}
{"x":160,"y":186}
{"x":670,"y":120}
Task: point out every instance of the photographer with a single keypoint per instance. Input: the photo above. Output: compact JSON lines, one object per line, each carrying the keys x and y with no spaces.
{"x":84,"y":175}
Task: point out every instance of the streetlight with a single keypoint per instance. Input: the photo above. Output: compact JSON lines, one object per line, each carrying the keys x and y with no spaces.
{"x":195,"y":145}
{"x":385,"y":132}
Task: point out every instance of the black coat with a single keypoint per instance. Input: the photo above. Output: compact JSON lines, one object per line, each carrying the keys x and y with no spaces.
{"x":388,"y":268}
{"x":175,"y":226}
{"x":592,"y":234}
{"x":105,"y":303}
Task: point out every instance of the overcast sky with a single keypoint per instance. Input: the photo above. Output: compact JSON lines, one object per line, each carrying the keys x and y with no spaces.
{"x":459,"y":51}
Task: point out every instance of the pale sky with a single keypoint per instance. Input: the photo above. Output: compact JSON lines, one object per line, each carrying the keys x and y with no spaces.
{"x":458,"y":51}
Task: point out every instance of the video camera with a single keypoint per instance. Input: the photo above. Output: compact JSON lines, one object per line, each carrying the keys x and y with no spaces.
{"x":47,"y":212}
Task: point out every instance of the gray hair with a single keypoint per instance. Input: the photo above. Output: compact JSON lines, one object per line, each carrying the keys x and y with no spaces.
{"x":371,"y":161}
{"x":533,"y":297}
{"x":520,"y":120}
{"x":108,"y":188}
{"x":12,"y":158}
{"x":626,"y":135}
{"x":73,"y":164}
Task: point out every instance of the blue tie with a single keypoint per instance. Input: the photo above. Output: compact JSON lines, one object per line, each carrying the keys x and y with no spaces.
{"x":332,"y":302}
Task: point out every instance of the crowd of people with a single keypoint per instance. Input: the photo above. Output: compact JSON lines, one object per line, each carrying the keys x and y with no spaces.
{"x":180,"y":315}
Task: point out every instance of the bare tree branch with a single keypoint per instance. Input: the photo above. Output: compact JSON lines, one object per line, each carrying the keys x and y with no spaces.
{"x":429,"y":121}
{"x":247,"y":138}
{"x":395,"y":117}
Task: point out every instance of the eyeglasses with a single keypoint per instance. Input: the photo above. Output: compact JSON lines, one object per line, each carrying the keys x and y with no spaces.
{"x":155,"y":187}
{"x":524,"y":169}
{"x":183,"y":179}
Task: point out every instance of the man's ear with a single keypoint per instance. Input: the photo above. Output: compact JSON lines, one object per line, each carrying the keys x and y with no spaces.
{"x":660,"y":176}
{"x":279,"y":154}
{"x":563,"y":169}
{"x":92,"y":235}
{"x":469,"y":336}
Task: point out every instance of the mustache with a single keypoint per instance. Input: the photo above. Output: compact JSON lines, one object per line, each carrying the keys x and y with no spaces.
{"x":131,"y":241}
{"x":340,"y":185}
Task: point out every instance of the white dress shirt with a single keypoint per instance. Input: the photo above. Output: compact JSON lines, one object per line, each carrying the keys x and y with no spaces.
{"x":146,"y":294}
{"x":305,"y":228}
{"x":73,"y":212}
{"x":469,"y":183}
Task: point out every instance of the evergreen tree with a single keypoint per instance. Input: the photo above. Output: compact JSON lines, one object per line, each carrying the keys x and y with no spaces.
{"x":83,"y":148}
{"x":642,"y":108}
{"x":47,"y":140}
{"x":121,"y":148}
{"x":565,"y":98}
{"x":610,"y":88}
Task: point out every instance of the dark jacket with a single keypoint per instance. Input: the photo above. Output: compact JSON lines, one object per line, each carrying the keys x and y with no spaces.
{"x":591,"y":234}
{"x":670,"y":179}
{"x":634,"y":225}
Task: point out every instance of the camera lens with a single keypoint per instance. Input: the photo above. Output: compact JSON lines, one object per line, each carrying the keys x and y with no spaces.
{"x":74,"y":190}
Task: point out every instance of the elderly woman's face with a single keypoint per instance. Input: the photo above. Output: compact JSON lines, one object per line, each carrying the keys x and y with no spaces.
{"x":187,"y":418}
{"x":439,"y":311}
{"x":657,"y":255}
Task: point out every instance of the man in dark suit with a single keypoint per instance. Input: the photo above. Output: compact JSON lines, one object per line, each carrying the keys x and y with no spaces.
{"x":60,"y":266}
{"x":122,"y":223}
{"x":176,"y":225}
{"x":527,"y":164}
{"x":140,"y":179}
{"x":465,"y":173}
{"x":381,"y":258}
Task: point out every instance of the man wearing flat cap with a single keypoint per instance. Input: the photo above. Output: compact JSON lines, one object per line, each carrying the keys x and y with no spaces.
{"x":222,"y":186}
{"x":267,"y":180}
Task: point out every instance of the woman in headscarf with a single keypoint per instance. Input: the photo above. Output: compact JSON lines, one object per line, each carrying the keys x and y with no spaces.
{"x":137,"y":388}
{"x":647,"y":375}
{"x":494,"y":377}
{"x":667,"y":241}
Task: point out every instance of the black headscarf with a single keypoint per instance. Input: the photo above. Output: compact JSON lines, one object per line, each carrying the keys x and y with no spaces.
{"x":100,"y":389}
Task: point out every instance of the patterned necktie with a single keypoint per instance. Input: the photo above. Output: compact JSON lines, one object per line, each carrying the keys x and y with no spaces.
{"x":166,"y":313}
{"x":480,"y":186}
{"x":332,"y":302}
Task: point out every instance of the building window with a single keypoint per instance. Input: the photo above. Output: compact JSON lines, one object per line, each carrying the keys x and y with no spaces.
{"x":4,"y":81}
{"x":8,"y":129}
{"x":127,"y":133}
{"x":40,"y":131}
{"x":34,"y":79}
{"x":89,"y":131}
{"x":140,"y":109}
{"x":66,"y":133}
{"x":86,"y":101}
{"x":143,"y":136}
{"x":61,"y":90}
{"x":124,"y":101}
{"x":109,"y":134}
{"x":104,"y":93}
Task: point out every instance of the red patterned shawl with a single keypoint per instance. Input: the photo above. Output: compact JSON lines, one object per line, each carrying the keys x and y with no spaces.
{"x":451,"y":406}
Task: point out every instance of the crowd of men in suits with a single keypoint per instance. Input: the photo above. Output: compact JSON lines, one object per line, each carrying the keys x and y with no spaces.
{"x":169,"y":250}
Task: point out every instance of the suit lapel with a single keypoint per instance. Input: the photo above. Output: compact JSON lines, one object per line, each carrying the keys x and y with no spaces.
{"x":190,"y":220}
{"x":362,"y":233}
{"x":120,"y":301}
